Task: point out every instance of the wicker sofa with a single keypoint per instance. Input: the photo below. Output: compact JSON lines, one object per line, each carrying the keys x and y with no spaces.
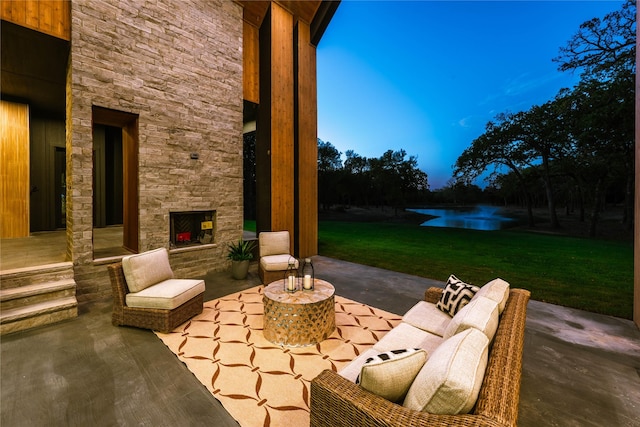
{"x":337,"y":401}
{"x":145,"y":294}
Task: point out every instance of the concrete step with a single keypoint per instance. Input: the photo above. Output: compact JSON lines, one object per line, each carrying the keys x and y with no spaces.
{"x":37,"y":296}
{"x":36,"y":293}
{"x":39,"y":314}
{"x":33,"y":275}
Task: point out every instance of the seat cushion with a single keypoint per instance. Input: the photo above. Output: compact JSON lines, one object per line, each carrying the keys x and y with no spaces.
{"x":407,"y":336}
{"x":273,"y":243}
{"x":497,"y":290}
{"x":428,"y":317}
{"x":450,"y":380}
{"x":277,"y":262}
{"x":146,"y":269}
{"x":481,"y":314}
{"x":166,"y":295}
{"x":456,"y":295}
{"x":391,"y":373}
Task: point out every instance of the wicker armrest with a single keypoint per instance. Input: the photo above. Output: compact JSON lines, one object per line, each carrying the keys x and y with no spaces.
{"x":336,"y":401}
{"x":433,"y":294}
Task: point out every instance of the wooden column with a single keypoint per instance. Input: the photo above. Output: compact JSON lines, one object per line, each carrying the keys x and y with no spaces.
{"x":306,"y":143}
{"x":275,"y":124}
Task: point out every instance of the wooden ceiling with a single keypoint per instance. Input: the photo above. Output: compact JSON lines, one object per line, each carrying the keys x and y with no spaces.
{"x":316,"y":13}
{"x":255,"y":11}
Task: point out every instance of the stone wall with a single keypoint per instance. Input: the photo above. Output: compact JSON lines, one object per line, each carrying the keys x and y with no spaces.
{"x":178,"y":66}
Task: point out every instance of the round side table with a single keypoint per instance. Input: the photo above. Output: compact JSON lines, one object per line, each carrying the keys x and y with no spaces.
{"x":300,"y":318}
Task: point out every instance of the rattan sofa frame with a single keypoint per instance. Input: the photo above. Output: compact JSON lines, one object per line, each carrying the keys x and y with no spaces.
{"x":148,"y":318}
{"x":336,"y":401}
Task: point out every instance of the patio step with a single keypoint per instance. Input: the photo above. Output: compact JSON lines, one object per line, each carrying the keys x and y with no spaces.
{"x":37,"y":296}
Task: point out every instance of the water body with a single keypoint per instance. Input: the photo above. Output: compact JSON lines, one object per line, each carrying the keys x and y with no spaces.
{"x":477,"y":218}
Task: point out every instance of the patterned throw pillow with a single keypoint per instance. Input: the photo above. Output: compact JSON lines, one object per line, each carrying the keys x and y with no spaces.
{"x":456,"y":295}
{"x":390,"y":374}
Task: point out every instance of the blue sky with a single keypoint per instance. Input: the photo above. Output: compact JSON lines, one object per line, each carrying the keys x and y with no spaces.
{"x":426,"y":76}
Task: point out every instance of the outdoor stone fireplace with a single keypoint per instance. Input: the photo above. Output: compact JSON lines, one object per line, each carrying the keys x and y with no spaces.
{"x":192,"y":228}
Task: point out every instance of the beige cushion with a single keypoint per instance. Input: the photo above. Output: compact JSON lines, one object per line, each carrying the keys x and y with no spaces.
{"x":481,"y":314}
{"x":428,"y":317}
{"x":273,"y":243}
{"x":407,"y":336}
{"x":167,"y":295}
{"x":497,"y":290}
{"x":277,"y":262}
{"x":146,"y":269}
{"x":390,"y":374}
{"x":450,"y":380}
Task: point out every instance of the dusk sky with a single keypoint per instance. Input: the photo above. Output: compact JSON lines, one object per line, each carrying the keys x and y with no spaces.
{"x":426,"y":76}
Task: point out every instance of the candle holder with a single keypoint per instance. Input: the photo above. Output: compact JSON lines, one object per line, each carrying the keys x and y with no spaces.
{"x":290,"y":281}
{"x":308,"y":275}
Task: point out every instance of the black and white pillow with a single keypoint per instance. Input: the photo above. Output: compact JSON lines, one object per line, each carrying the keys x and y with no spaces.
{"x":456,"y":295}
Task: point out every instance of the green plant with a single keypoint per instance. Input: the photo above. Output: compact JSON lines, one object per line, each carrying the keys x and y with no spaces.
{"x":241,"y":251}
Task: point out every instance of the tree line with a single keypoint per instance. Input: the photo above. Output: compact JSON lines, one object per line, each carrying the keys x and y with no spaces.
{"x":577,"y":149}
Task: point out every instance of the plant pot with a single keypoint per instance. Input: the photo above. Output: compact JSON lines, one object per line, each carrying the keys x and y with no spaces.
{"x":239,"y":269}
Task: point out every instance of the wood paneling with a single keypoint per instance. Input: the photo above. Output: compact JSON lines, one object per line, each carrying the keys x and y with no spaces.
{"x":14,"y":174}
{"x":51,"y":17}
{"x":282,"y":116}
{"x":251,"y":63}
{"x":307,"y":140}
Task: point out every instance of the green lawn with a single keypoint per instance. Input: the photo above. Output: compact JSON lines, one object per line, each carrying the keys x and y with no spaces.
{"x":593,"y":275}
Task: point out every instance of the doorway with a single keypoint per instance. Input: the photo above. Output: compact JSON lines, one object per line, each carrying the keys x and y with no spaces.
{"x":115,"y":180}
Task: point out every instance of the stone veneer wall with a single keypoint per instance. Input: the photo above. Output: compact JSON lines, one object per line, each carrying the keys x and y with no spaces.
{"x":178,"y":65}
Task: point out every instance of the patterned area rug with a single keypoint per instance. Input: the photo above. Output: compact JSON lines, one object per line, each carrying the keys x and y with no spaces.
{"x":260,"y":383}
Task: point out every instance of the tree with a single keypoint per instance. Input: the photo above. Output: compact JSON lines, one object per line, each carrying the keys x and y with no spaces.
{"x":603,"y":47}
{"x":500,"y":146}
{"x":329,"y":173}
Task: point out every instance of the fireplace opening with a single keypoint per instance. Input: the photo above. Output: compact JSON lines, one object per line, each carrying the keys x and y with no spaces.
{"x":192,"y":228}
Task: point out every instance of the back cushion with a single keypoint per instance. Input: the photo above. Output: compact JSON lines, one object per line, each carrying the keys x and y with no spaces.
{"x":481,"y":314}
{"x":450,"y":380}
{"x":274,"y":242}
{"x":146,"y":269}
{"x":497,"y":290}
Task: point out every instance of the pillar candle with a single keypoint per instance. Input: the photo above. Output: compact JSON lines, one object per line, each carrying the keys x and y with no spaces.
{"x":307,"y":281}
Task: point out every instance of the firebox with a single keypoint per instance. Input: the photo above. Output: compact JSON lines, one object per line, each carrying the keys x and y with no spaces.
{"x":192,"y":228}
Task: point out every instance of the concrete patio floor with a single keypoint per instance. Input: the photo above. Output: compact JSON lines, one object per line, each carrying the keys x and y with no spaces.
{"x":579,"y":368}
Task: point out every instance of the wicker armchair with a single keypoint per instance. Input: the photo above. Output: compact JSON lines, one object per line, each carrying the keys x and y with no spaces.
{"x":148,"y":318}
{"x":275,"y":254}
{"x":336,"y":401}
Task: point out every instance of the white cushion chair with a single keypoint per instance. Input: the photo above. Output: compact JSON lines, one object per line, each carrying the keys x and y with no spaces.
{"x":146,"y":295}
{"x":275,"y":255}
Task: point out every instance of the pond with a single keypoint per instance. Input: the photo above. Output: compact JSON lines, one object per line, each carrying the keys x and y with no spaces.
{"x":476,"y":218}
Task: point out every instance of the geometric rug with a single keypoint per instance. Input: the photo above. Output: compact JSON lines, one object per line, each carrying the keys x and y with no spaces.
{"x":260,"y":383}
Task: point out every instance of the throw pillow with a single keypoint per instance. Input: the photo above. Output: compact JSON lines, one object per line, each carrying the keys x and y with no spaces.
{"x":391,"y":373}
{"x":456,"y":295}
{"x":450,"y":381}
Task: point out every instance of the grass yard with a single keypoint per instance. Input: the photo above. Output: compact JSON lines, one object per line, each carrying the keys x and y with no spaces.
{"x":592,"y":275}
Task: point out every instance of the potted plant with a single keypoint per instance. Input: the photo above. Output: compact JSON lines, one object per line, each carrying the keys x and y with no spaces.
{"x":240,"y":253}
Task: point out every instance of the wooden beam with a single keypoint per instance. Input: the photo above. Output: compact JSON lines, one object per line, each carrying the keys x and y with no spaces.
{"x":307,"y":143}
{"x":274,"y":144}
